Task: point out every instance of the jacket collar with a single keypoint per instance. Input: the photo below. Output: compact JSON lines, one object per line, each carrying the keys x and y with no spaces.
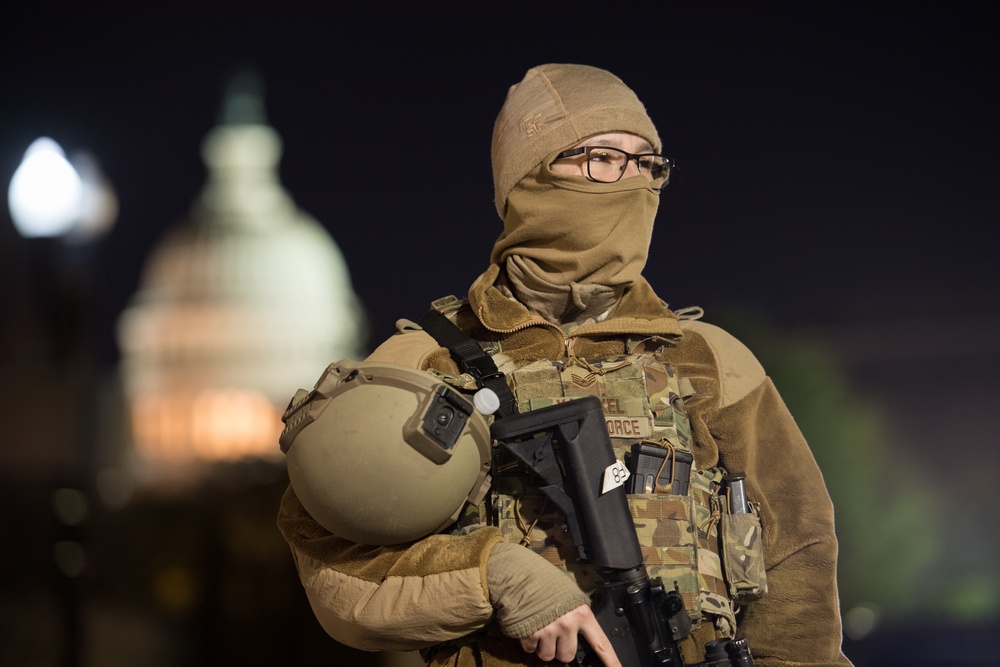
{"x":640,"y":312}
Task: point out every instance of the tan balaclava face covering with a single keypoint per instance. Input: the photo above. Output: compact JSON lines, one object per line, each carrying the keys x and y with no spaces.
{"x":570,"y":246}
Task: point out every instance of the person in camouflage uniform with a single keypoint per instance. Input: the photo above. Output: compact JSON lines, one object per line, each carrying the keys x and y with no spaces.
{"x":564,"y":311}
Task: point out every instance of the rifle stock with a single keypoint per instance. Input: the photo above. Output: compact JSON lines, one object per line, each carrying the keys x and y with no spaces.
{"x":568,"y":447}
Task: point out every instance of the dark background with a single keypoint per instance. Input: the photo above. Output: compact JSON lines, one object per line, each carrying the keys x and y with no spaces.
{"x":837,"y":171}
{"x":832,"y":155}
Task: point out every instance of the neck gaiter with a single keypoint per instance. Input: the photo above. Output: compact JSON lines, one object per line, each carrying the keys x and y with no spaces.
{"x":570,"y":246}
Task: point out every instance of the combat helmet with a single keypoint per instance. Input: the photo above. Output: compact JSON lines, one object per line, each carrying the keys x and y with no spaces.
{"x":384,"y":454}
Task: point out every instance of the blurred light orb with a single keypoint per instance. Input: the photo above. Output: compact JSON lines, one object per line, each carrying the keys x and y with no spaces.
{"x":70,"y":558}
{"x":176,"y":589}
{"x":46,"y":193}
{"x":70,"y":505}
{"x":862,"y":620}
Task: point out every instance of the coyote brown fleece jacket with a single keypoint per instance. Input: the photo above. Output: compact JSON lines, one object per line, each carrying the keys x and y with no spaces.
{"x":436,"y":590}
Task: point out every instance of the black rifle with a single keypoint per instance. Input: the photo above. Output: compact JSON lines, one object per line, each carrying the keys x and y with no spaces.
{"x":568,"y":447}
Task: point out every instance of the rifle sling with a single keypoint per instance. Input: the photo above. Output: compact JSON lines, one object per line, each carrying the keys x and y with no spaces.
{"x":472,"y":359}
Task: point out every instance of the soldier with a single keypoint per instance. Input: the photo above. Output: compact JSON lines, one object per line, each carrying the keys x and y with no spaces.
{"x":564,"y":311}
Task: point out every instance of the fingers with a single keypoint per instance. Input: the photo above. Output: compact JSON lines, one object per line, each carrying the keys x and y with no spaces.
{"x":599,"y":642}
{"x":558,"y":639}
{"x":552,"y":643}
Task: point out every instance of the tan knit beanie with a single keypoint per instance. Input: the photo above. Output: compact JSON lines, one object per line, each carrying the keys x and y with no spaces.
{"x":556,"y":106}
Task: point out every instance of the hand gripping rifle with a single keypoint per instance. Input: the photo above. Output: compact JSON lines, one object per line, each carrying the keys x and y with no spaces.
{"x":568,"y":447}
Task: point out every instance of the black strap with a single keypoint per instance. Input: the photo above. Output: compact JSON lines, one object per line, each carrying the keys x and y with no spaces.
{"x":472,"y":358}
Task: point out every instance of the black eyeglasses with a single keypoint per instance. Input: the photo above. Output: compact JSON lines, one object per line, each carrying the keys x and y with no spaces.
{"x":608,"y":165}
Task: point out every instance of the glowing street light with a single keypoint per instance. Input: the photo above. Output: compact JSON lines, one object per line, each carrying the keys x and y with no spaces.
{"x":52,"y":196}
{"x":46,"y":193}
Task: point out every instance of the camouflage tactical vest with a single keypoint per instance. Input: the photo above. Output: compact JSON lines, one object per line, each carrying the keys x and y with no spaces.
{"x":690,"y":539}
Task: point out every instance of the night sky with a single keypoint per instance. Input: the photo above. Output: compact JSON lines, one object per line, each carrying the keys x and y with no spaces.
{"x":836,"y":160}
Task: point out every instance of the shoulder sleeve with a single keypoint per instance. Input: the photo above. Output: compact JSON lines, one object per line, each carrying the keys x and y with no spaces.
{"x":416,"y":349}
{"x":743,"y":421}
{"x":739,"y":372}
{"x":798,"y":621}
{"x":408,"y":348}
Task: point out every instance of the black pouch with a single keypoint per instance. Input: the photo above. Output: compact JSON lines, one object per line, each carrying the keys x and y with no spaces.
{"x":653,"y":468}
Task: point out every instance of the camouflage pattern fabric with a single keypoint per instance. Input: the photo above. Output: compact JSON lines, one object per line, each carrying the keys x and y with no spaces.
{"x":743,"y":556}
{"x":713,"y":558}
{"x":643,"y":402}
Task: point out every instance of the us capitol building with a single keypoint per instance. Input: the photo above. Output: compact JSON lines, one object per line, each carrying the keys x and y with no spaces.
{"x":239,"y":305}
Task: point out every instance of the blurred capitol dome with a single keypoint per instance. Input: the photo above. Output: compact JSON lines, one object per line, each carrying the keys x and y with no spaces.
{"x":240,"y":305}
